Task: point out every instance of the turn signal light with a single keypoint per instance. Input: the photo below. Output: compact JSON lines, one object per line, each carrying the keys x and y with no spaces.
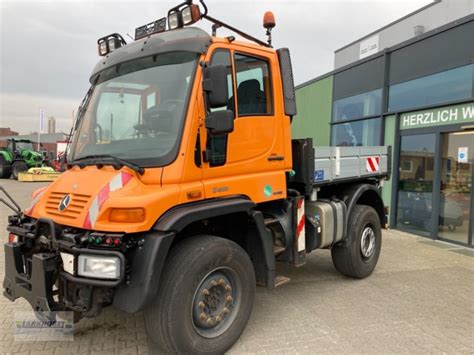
{"x":127,"y":215}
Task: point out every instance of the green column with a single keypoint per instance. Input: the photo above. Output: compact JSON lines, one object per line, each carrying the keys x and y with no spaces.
{"x":389,"y":139}
{"x":314,"y":102}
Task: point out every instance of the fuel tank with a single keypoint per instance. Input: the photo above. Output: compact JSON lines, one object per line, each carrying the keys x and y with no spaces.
{"x":325,"y":223}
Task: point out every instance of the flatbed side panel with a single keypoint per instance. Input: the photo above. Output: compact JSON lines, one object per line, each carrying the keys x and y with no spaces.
{"x":333,"y":164}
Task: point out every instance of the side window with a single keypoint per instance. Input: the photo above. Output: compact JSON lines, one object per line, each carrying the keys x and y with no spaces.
{"x":150,"y":100}
{"x":216,"y":146}
{"x":253,"y":86}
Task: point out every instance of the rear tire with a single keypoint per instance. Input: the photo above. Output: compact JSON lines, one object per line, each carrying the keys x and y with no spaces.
{"x":357,"y":256}
{"x":18,"y":167}
{"x":5,"y":168}
{"x":205,"y":298}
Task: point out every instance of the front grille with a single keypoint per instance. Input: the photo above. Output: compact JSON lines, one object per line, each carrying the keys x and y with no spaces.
{"x":77,"y":204}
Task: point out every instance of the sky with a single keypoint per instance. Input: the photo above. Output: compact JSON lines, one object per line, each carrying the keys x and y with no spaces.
{"x":48,"y":48}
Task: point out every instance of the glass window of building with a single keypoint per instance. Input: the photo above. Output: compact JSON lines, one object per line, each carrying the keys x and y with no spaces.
{"x":415,"y":186}
{"x":357,"y":133}
{"x":357,"y":106}
{"x":450,"y":85}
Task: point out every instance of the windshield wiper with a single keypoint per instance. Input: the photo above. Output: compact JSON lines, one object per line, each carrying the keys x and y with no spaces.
{"x":101,"y":159}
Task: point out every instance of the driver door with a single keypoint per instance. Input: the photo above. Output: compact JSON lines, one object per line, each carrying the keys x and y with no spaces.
{"x":235,"y":160}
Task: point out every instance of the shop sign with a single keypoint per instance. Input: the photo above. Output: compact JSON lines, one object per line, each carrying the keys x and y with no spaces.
{"x":369,"y":46}
{"x":437,"y":117}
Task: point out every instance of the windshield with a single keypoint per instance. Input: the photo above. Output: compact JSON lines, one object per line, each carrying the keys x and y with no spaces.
{"x":24,"y":145}
{"x":137,"y":109}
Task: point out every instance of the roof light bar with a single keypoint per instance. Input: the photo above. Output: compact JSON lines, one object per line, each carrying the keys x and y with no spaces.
{"x":150,"y":28}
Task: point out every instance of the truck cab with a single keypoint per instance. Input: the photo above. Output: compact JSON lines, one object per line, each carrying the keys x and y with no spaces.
{"x":182,"y":189}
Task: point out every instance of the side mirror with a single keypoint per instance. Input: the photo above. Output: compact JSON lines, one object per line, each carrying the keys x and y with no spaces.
{"x":215,"y":85}
{"x":220,"y":122}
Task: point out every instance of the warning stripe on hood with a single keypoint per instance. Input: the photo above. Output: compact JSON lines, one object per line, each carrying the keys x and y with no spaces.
{"x":117,"y":182}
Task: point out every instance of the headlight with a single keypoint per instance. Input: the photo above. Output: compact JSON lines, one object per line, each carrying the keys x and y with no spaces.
{"x":100,"y":267}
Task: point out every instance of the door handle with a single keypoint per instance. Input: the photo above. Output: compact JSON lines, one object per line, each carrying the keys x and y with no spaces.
{"x":275,"y":157}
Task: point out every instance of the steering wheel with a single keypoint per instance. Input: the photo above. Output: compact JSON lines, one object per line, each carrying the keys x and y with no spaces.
{"x":158,"y":117}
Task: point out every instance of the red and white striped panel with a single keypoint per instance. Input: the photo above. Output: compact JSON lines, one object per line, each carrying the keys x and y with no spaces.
{"x":117,"y":182}
{"x":373,"y":164}
{"x":300,"y":230}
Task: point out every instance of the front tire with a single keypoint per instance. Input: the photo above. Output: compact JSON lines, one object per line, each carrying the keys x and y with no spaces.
{"x":357,"y":256}
{"x":205,"y":298}
{"x":17,"y":168}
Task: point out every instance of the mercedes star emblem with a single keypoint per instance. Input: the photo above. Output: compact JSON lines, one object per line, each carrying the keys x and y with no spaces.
{"x":64,"y":203}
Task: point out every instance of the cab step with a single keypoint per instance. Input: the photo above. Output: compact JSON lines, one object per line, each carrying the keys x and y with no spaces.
{"x":277,"y":250}
{"x":281,"y":280}
{"x":270,"y":220}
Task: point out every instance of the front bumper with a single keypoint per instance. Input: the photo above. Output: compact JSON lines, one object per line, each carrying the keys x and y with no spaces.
{"x":37,"y":274}
{"x":45,"y":280}
{"x":39,"y":277}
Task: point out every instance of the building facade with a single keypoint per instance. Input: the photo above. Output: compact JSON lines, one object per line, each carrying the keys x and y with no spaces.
{"x":6,"y":131}
{"x":418,"y":97}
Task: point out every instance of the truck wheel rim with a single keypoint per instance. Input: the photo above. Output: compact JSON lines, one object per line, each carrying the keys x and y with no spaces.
{"x":367,"y":242}
{"x":216,"y":302}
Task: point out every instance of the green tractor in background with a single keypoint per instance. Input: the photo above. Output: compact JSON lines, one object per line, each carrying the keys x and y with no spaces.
{"x":18,"y":156}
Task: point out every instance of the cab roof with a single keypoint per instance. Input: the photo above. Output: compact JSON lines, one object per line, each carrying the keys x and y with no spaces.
{"x":188,"y":39}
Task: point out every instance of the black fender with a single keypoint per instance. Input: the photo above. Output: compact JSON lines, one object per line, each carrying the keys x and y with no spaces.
{"x":147,"y":262}
{"x":364,"y":194}
{"x":148,"y":259}
{"x":260,"y":249}
{"x":179,"y":217}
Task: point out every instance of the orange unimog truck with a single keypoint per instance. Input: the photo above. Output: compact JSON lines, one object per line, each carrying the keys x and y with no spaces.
{"x":184,"y":188}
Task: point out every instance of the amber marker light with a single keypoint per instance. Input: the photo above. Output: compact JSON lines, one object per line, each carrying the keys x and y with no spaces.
{"x":192,"y":195}
{"x":128,"y":215}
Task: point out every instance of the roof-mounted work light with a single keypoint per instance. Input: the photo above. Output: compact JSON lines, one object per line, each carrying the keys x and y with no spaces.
{"x":190,"y":14}
{"x":110,"y":43}
{"x":175,"y":20}
{"x":184,"y":14}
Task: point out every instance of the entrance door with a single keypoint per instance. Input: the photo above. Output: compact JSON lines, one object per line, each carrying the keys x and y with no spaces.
{"x":457,"y":166}
{"x":415,"y":184}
